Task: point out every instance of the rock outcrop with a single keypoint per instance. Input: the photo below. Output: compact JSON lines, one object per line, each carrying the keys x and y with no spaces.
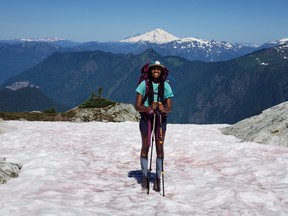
{"x":119,"y":112}
{"x":8,"y":170}
{"x":270,"y":127}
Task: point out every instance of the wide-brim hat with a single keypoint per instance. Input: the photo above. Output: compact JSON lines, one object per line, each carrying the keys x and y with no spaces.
{"x":156,"y":64}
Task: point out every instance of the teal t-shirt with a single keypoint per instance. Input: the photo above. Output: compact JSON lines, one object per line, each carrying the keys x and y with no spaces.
{"x":141,"y":89}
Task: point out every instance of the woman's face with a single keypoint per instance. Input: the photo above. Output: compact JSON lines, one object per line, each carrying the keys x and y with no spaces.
{"x":156,"y":72}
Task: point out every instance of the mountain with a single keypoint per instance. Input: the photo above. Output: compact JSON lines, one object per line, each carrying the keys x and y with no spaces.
{"x":204,"y":50}
{"x":19,"y":54}
{"x":46,"y":39}
{"x":15,"y":58}
{"x":157,"y":36}
{"x":26,"y":99}
{"x":274,"y":43}
{"x":236,"y":89}
{"x":219,"y":92}
{"x":51,"y":40}
{"x":167,"y":44}
{"x":72,"y":77}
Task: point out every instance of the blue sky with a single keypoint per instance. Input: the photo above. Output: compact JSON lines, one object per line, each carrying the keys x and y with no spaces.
{"x":251,"y":21}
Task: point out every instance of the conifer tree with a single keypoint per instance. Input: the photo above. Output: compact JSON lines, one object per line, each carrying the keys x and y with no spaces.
{"x":100,"y":90}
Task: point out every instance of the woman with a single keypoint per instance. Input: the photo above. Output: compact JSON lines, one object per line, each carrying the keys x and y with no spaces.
{"x":157,"y":100}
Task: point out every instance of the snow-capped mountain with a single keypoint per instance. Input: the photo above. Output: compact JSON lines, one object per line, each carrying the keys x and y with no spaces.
{"x":157,"y":36}
{"x":205,"y":50}
{"x":164,"y":43}
{"x":57,"y":41}
{"x":274,"y":43}
{"x":191,"y":48}
{"x":283,"y":41}
{"x":45,"y":39}
{"x":278,"y":42}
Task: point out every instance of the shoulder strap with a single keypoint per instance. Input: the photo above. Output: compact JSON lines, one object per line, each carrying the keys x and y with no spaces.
{"x":146,"y":92}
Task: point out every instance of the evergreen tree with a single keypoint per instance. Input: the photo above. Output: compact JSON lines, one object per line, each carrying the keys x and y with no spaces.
{"x":100,"y":90}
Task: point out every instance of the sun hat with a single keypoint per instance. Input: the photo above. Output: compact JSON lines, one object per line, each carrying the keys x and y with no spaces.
{"x":156,"y":64}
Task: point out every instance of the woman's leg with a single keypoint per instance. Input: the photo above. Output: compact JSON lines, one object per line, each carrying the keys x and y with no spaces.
{"x":145,"y":146}
{"x":144,"y":161}
{"x":159,"y":163}
{"x":144,"y":155}
{"x":160,"y":156}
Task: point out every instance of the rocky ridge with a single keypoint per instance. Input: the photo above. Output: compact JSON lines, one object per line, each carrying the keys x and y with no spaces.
{"x":270,"y":127}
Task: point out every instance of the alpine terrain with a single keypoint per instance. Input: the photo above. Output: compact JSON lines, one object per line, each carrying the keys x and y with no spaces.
{"x":218,"y":92}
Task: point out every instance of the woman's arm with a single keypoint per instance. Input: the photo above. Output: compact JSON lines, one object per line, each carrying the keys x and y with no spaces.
{"x":139,"y":105}
{"x":168,"y":107}
{"x":141,"y":108}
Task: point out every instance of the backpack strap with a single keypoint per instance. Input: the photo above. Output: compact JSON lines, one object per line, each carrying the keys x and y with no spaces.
{"x":146,"y":92}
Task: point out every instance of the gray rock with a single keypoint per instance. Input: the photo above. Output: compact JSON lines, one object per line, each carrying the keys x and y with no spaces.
{"x":270,"y":127}
{"x":120,"y":112}
{"x":8,"y":170}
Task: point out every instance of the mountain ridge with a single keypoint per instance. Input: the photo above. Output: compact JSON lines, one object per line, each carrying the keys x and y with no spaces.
{"x":219,"y":92}
{"x":27,"y":99}
{"x":150,"y":36}
{"x":17,"y":55}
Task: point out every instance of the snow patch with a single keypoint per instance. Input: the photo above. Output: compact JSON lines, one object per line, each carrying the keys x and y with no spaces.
{"x":21,"y":84}
{"x":261,"y":63}
{"x":83,"y":169}
{"x":192,"y":39}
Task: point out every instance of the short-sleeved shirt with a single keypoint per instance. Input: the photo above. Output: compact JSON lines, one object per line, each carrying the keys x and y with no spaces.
{"x":141,"y":89}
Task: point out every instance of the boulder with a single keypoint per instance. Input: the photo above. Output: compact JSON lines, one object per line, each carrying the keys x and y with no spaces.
{"x":8,"y":170}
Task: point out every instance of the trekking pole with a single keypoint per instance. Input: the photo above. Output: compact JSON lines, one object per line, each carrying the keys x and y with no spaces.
{"x":162,"y":150}
{"x":151,"y":154}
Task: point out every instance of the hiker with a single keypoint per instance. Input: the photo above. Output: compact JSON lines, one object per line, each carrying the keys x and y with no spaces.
{"x":157,"y":100}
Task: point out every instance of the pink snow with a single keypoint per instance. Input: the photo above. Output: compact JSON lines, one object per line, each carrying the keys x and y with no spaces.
{"x":82,"y":169}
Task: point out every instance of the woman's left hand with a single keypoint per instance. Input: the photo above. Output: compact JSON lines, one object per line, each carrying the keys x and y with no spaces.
{"x":161,"y":107}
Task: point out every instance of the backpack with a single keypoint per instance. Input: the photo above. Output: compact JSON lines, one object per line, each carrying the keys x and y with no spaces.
{"x":144,"y":76}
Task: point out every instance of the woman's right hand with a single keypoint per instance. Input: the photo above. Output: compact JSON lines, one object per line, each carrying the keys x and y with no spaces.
{"x":154,"y":106}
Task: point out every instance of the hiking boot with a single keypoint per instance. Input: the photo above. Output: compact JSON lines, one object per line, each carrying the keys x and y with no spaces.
{"x":144,"y":183}
{"x":157,"y":185}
